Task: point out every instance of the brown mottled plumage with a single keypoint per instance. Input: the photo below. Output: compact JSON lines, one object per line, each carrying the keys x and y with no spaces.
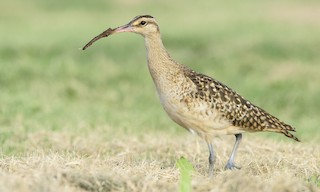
{"x":235,"y":108}
{"x":195,"y":101}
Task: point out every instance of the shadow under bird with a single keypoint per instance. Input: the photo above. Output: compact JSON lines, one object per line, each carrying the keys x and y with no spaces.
{"x":197,"y":102}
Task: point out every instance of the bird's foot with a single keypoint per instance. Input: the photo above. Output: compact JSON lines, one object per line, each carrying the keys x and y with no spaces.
{"x":210,"y":173}
{"x":231,"y":166}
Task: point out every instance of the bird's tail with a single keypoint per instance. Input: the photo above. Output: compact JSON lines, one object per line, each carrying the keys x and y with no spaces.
{"x":283,"y":131}
{"x":288,"y":134}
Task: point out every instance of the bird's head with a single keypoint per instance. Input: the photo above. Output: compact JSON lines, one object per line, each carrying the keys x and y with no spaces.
{"x":144,"y":25}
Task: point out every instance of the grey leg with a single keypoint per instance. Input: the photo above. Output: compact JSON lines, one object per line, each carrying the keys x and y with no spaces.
{"x":230,"y":163}
{"x":212,"y":159}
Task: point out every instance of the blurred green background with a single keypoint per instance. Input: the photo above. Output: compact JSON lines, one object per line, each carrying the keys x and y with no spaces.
{"x":268,"y":51}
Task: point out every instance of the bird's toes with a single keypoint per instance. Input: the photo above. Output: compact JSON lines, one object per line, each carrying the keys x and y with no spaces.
{"x":231,"y":166}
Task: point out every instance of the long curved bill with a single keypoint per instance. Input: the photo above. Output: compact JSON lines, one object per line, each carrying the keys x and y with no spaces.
{"x":106,"y":33}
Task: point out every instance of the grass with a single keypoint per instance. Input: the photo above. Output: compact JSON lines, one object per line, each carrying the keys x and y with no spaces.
{"x":91,"y":121}
{"x":185,"y":168}
{"x":65,"y":162}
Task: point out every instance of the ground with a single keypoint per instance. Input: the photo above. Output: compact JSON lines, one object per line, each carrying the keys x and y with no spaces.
{"x":145,"y":163}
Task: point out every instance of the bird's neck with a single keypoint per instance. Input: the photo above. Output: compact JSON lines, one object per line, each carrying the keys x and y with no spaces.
{"x":161,"y":66}
{"x":156,"y":52}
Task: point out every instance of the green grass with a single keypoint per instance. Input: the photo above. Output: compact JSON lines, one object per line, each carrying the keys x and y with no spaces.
{"x":186,"y":169}
{"x":315,"y":180}
{"x":267,"y":51}
{"x":48,"y":83}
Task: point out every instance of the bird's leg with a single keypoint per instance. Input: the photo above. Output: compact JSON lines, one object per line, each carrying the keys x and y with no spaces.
{"x":212,"y":159}
{"x":230,"y":163}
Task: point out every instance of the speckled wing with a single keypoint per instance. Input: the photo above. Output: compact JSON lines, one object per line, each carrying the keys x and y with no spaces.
{"x":232,"y":106}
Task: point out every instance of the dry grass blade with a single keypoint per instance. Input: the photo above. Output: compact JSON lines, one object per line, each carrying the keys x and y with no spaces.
{"x":93,"y":182}
{"x":130,"y":163}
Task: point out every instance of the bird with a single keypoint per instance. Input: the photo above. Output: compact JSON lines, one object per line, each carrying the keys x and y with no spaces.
{"x":197,"y":102}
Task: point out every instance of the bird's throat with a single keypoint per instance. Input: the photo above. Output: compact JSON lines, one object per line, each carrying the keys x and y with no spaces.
{"x":161,"y":66}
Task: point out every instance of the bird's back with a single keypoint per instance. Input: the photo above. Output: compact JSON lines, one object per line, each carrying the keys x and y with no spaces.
{"x":233,"y":108}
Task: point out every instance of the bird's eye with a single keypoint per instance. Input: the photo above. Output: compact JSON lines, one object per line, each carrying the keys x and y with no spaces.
{"x":143,"y":23}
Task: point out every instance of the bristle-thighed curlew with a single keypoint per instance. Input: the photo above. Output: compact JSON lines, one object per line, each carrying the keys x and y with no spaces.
{"x":195,"y":101}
